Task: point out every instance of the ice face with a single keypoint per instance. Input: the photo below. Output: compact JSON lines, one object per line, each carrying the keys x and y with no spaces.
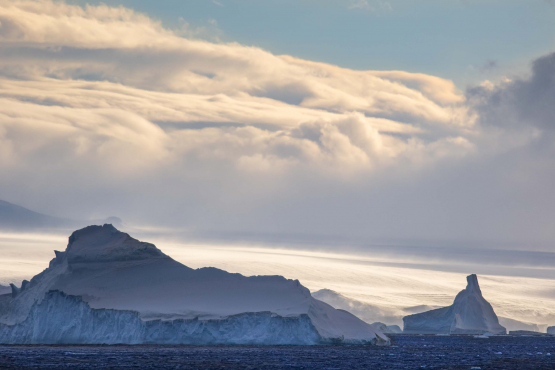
{"x":63,"y":319}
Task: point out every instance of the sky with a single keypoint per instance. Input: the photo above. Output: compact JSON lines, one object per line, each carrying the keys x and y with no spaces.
{"x":424,"y":123}
{"x":466,"y":41}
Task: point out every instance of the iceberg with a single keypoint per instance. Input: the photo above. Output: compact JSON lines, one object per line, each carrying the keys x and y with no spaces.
{"x":109,"y":288}
{"x":470,"y":313}
{"x":388,"y":329}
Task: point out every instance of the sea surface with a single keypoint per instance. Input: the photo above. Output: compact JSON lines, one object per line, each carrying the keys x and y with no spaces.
{"x":406,"y":352}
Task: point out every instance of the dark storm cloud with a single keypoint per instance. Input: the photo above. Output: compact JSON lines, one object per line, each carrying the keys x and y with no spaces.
{"x":524,"y":102}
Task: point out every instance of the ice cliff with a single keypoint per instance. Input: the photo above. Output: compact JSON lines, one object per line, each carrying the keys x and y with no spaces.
{"x":107,"y":287}
{"x":470,"y":313}
{"x":64,"y":319}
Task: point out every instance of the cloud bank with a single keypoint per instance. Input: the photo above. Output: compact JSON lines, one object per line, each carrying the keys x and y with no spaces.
{"x":105,"y":111}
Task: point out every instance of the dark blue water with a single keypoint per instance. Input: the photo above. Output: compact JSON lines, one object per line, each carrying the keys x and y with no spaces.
{"x":407,"y":352}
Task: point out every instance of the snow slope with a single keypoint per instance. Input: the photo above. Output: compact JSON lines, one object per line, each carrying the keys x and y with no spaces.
{"x":106,"y":278}
{"x":470,"y":313}
{"x":367,"y":312}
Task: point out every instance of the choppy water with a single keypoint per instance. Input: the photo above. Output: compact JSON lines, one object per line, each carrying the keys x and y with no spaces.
{"x":407,"y":352}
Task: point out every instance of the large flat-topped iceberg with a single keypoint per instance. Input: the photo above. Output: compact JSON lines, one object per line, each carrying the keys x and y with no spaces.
{"x":470,"y":313}
{"x":110,"y":288}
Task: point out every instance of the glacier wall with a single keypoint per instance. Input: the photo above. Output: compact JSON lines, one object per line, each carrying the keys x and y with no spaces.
{"x":65,"y":319}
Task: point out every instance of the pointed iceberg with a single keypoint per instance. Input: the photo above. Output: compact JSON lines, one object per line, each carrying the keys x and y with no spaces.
{"x":470,"y":313}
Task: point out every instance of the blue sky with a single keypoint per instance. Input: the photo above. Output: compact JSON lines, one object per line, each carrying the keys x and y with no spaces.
{"x":465,"y":41}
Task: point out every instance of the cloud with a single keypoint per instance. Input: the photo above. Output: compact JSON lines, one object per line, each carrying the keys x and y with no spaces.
{"x":489,"y":65}
{"x":113,"y":58}
{"x":520,"y":103}
{"x":105,"y":111}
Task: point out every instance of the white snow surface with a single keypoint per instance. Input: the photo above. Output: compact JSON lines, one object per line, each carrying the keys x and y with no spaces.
{"x":113,"y":272}
{"x":470,"y":313}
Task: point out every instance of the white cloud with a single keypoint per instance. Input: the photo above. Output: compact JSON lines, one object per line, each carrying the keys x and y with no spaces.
{"x":104,"y":107}
{"x":142,"y":72}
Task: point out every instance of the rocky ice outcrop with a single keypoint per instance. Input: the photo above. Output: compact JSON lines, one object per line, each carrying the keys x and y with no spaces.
{"x":551,"y":330}
{"x":16,"y":290}
{"x":470,"y":313}
{"x":107,"y":287}
{"x":388,"y":329}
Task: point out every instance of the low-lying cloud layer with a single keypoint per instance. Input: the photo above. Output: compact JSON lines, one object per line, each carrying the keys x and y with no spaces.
{"x":103,"y":110}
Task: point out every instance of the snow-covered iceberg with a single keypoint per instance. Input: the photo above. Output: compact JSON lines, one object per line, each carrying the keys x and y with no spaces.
{"x":110,"y":288}
{"x":470,"y":313}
